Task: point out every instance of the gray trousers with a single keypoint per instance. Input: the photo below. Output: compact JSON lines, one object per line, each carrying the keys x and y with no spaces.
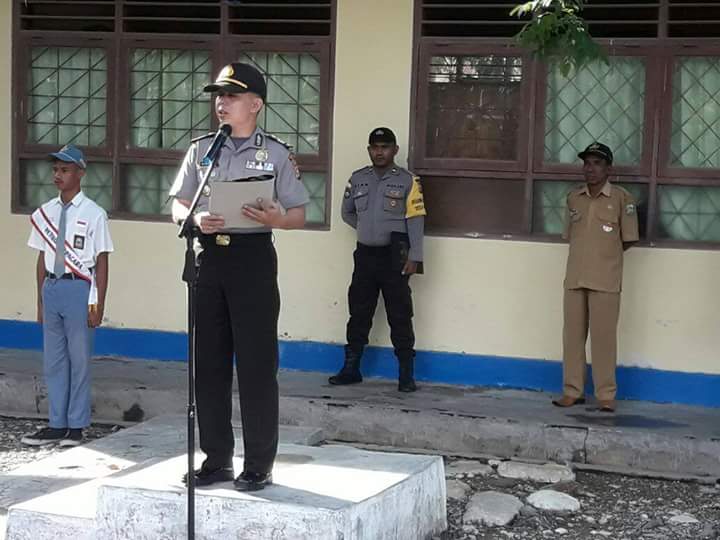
{"x":67,"y":347}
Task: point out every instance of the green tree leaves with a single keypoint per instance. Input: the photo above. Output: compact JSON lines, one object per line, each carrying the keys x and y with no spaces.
{"x":556,"y":32}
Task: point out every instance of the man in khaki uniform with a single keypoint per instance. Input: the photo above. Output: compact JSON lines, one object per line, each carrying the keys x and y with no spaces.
{"x":601,"y":223}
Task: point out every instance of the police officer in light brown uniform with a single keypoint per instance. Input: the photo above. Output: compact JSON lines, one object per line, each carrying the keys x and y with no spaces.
{"x":601,"y":223}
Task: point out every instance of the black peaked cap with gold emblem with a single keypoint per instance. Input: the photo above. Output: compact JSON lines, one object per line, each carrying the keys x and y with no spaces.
{"x":237,"y":78}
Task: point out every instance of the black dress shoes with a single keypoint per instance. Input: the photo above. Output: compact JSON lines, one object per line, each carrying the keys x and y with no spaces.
{"x":204,"y":476}
{"x":250,"y":481}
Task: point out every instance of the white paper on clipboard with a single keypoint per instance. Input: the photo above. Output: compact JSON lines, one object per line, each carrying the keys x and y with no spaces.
{"x":228,"y":198}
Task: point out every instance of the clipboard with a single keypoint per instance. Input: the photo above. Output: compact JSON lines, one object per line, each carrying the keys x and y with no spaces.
{"x":228,"y":198}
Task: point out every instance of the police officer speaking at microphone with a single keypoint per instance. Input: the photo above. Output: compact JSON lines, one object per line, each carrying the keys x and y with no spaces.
{"x":238,"y":301}
{"x":384,"y":203}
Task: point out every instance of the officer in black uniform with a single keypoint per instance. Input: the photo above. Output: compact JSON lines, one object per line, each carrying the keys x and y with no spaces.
{"x":384,"y":203}
{"x":238,"y":300}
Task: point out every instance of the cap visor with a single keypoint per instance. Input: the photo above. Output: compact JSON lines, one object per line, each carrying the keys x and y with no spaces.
{"x":65,"y":158}
{"x":583,"y":155}
{"x":229,"y":88}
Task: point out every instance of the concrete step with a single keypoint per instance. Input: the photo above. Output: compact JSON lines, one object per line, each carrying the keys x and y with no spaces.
{"x":56,"y":497}
{"x":319,"y":493}
{"x":657,"y":438}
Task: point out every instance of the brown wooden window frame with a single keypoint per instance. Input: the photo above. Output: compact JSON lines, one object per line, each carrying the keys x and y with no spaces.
{"x":653,"y":169}
{"x":118,"y":151}
{"x":443,"y":48}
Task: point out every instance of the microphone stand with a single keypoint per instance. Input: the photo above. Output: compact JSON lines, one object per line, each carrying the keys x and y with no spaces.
{"x":188,"y":231}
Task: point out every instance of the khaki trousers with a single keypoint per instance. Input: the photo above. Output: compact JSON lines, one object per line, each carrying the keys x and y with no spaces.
{"x":597,"y":311}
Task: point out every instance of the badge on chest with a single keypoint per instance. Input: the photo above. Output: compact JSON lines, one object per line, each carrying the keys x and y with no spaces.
{"x":259,"y":165}
{"x":79,"y":242}
{"x":81,"y":227}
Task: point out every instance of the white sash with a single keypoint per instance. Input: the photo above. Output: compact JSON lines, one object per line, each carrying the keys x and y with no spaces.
{"x":49,"y":232}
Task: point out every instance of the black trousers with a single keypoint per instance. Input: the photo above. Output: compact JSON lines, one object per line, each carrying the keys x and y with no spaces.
{"x":374,"y":273}
{"x":237,"y":313}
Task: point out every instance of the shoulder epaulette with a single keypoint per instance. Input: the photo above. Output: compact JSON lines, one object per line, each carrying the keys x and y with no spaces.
{"x":279,"y":140}
{"x":201,"y":137}
{"x":362,"y":169}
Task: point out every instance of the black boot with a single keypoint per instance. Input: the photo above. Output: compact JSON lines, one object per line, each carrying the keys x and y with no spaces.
{"x":406,"y":380}
{"x":350,"y":372}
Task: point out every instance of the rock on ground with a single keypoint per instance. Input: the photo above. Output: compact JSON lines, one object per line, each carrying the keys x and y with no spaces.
{"x":683,"y":519}
{"x":548,"y":473}
{"x":467,"y":467}
{"x":492,"y":508}
{"x":457,"y":490}
{"x":553,"y":501}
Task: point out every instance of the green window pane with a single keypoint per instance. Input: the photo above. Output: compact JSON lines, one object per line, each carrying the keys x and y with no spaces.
{"x":147,"y":187}
{"x":689,"y":213}
{"x":599,"y":103}
{"x":696,"y":113}
{"x":549,"y":205}
{"x":37,"y":182}
{"x":315,"y":184}
{"x":292,"y":110}
{"x":167,"y":104}
{"x":549,"y":200}
{"x":38,"y":187}
{"x":67,"y":96}
{"x":474,"y":107}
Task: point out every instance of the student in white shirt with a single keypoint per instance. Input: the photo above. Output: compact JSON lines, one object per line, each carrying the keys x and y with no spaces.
{"x":72,"y":236}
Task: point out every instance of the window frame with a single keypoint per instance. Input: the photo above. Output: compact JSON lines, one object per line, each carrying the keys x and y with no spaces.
{"x":20,"y":87}
{"x":652,"y":75}
{"x":659,"y":53}
{"x":666,"y":171}
{"x":118,"y":45}
{"x":462,"y":47}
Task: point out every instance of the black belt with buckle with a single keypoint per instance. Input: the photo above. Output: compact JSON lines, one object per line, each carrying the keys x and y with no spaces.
{"x":233,"y":240}
{"x":69,"y":275}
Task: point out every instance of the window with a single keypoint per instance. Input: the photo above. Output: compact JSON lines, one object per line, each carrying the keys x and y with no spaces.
{"x":473,"y":104}
{"x":603,"y":102}
{"x":123,"y":80}
{"x":496,"y":134}
{"x":695,"y":132}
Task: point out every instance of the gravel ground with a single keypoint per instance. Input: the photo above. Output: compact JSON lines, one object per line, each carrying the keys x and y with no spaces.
{"x":13,"y":453}
{"x":612,"y":506}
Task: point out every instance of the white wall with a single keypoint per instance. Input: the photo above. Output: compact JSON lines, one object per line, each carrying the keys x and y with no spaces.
{"x":478,"y":296}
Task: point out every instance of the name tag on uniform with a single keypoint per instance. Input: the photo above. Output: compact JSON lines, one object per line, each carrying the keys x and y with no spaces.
{"x":81,"y":233}
{"x":259,"y":165}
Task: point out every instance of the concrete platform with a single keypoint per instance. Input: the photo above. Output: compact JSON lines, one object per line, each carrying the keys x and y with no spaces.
{"x":55,"y":498}
{"x":319,"y":493}
{"x":452,"y":420}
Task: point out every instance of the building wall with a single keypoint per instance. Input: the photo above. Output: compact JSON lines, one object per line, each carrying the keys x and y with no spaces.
{"x":479,"y":298}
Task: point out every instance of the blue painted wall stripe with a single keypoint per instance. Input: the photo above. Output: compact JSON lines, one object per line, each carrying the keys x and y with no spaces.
{"x":451,"y":368}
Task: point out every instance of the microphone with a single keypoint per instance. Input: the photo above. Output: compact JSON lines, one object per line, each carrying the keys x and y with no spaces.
{"x":217,"y":143}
